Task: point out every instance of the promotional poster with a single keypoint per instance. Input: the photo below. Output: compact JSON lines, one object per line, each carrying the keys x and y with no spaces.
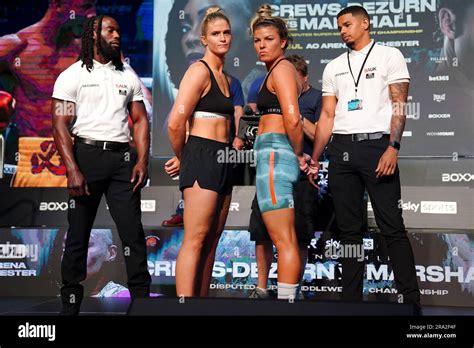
{"x":164,"y":39}
{"x":441,"y":96}
{"x":30,"y":265}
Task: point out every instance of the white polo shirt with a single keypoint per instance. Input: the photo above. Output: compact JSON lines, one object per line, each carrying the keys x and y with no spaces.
{"x":101,"y":97}
{"x":385,"y":65}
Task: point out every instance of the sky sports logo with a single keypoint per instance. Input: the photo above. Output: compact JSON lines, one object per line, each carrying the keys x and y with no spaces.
{"x":438,"y":207}
{"x":427,"y":207}
{"x":37,"y":331}
{"x":148,"y":205}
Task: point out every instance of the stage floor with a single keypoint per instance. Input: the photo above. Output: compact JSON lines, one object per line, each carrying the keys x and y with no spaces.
{"x":45,"y":306}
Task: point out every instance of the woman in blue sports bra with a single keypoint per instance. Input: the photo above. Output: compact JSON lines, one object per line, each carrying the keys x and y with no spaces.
{"x":205,"y":102}
{"x":279,"y":147}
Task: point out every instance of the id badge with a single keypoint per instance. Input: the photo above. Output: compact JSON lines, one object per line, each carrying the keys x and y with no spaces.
{"x":354,"y":104}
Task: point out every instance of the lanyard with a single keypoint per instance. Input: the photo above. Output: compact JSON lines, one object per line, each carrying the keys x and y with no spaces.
{"x":356,"y":83}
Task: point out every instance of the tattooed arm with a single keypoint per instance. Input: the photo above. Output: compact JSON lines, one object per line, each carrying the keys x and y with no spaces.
{"x":399,"y":95}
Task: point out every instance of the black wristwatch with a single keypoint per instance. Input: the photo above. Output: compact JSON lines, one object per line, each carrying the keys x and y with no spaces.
{"x":395,"y":145}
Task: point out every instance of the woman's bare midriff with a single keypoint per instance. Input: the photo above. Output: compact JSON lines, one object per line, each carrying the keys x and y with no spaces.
{"x":271,"y":123}
{"x":214,"y":129}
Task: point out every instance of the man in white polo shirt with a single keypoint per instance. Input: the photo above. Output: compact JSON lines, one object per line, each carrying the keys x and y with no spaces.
{"x":92,"y":100}
{"x":364,"y":94}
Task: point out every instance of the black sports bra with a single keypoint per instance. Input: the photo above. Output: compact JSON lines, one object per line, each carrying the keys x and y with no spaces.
{"x":214,"y":102}
{"x":267,"y":102}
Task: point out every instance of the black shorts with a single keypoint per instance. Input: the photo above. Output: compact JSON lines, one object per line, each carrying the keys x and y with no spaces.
{"x":312,"y":213}
{"x":204,"y":160}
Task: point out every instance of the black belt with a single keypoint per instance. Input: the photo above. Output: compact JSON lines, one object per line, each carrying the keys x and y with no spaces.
{"x":104,"y":145}
{"x":359,"y":136}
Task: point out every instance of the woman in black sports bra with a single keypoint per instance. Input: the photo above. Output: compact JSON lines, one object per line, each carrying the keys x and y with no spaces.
{"x":279,"y":146}
{"x":204,"y":175}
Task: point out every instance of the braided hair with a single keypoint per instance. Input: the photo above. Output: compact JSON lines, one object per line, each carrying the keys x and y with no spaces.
{"x":87,"y":44}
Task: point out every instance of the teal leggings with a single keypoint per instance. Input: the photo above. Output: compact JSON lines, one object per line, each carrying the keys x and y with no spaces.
{"x":277,"y":171}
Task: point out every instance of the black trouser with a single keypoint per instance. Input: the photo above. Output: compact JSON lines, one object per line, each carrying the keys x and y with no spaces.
{"x":352,"y":170}
{"x":306,"y":208}
{"x":109,"y":173}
